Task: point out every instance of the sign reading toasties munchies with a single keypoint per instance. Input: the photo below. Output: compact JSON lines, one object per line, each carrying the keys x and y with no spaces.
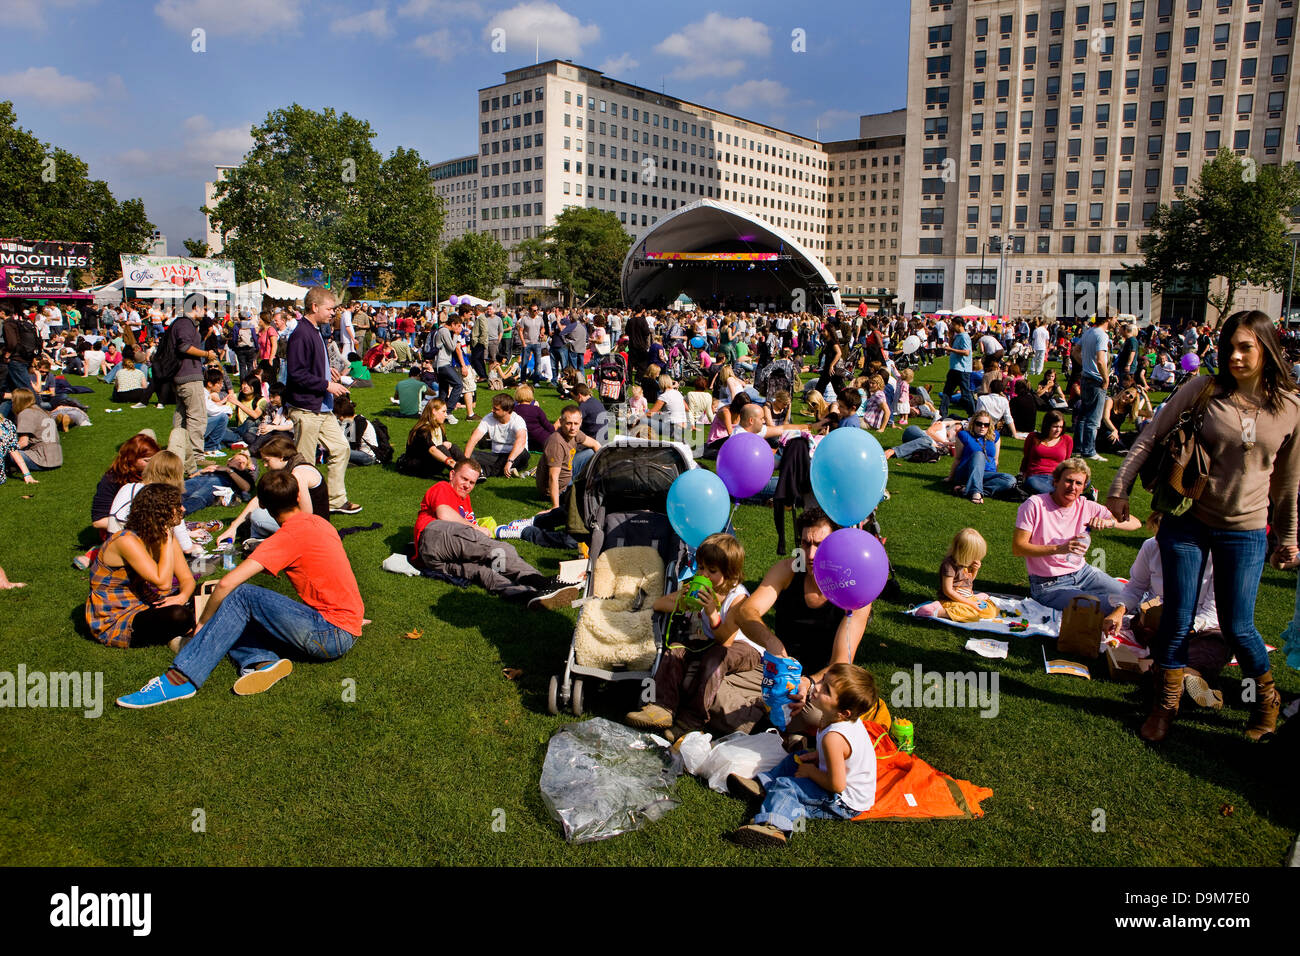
{"x":40,"y":268}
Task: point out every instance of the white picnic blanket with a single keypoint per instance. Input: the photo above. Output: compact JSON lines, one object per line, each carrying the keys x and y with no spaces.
{"x":1040,"y":620}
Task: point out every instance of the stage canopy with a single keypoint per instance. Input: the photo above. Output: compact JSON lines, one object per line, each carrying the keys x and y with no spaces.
{"x":721,"y":256}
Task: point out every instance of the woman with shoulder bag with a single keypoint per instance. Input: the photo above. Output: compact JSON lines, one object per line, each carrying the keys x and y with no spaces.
{"x":1245,"y":426}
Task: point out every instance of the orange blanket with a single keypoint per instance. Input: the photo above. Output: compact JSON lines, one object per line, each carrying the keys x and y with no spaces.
{"x":908,"y":788}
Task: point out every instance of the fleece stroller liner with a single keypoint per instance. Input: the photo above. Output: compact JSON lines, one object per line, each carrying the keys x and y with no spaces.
{"x":616,"y":628}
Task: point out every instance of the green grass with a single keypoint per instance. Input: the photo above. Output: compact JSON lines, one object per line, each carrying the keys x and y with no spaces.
{"x":438,"y":743}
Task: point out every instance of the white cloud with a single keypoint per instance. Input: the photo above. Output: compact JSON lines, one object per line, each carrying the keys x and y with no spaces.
{"x":544,"y":25}
{"x":47,"y":86}
{"x":438,"y":44}
{"x":470,"y":9}
{"x":616,"y":65}
{"x":374,"y":22}
{"x":717,"y":46}
{"x":756,"y":94}
{"x":199,"y":147}
{"x":248,"y":18}
{"x":32,"y":13}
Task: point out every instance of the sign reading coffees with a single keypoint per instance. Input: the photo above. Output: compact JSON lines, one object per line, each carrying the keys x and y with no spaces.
{"x":39,"y":269}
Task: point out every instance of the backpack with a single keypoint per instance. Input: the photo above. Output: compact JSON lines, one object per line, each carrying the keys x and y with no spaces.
{"x":246,"y":339}
{"x":166,"y":363}
{"x":29,"y":342}
{"x":383,"y":441}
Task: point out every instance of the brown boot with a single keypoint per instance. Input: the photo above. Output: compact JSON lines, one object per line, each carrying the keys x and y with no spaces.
{"x":1164,"y":706}
{"x":1263,"y":715}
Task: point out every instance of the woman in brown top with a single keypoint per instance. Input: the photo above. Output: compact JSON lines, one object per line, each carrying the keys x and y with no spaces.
{"x":1251,"y":430}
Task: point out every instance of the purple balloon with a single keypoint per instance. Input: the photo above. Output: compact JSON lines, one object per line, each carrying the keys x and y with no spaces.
{"x":745,"y":464}
{"x":1191,"y":362}
{"x":851,"y":568}
{"x":454,"y":300}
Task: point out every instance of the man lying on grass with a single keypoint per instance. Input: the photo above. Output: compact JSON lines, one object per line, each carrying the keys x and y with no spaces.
{"x":254,"y":624}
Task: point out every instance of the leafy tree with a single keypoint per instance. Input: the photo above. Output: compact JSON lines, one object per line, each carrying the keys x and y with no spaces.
{"x":472,"y":264}
{"x":197,"y":248}
{"x":583,"y":252}
{"x":1233,"y":225}
{"x":46,"y":193}
{"x":314,"y":193}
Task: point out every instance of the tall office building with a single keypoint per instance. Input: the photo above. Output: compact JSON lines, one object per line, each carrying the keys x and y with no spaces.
{"x":862,"y":208}
{"x":213,"y":238}
{"x":556,"y":134}
{"x":456,"y":181}
{"x":1061,"y":124}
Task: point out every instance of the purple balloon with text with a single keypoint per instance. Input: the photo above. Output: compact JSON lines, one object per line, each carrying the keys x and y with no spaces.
{"x":851,"y":568}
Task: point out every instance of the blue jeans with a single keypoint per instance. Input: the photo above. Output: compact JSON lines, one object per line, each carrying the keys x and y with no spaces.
{"x":914,"y":439}
{"x":1239,"y":557}
{"x":1057,"y":592}
{"x":580,"y":459}
{"x":575,"y":360}
{"x":559,"y":355}
{"x":200,"y":492}
{"x":534,"y":352}
{"x":1091,"y":404}
{"x":789,"y":798}
{"x":1040,"y":484}
{"x":451,"y":386}
{"x":20,"y":375}
{"x":978,"y":481}
{"x":218,"y":433}
{"x":957,"y":379}
{"x":253,"y":625}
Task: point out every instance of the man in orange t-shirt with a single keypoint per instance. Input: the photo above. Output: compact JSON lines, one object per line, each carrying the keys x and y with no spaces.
{"x":252,"y":624}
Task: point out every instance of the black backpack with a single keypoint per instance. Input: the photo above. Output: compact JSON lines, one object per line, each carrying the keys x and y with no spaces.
{"x":166,"y":363}
{"x":383,"y":442}
{"x":29,"y":342}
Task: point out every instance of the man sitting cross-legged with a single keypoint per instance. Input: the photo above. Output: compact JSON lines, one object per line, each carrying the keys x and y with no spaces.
{"x":252,"y":624}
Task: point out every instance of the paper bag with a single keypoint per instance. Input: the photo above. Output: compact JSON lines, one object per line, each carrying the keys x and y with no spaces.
{"x":1081,"y":627}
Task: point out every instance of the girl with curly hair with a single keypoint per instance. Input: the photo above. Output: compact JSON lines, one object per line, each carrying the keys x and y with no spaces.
{"x":140,"y":583}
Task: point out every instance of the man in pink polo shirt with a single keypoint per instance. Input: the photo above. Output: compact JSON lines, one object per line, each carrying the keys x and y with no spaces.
{"x":1052,"y":535}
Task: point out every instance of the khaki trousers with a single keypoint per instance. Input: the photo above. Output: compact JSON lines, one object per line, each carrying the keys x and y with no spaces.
{"x":322,"y":428}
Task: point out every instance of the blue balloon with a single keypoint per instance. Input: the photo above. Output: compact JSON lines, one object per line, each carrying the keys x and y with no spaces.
{"x":848,"y":475}
{"x":698,"y":506}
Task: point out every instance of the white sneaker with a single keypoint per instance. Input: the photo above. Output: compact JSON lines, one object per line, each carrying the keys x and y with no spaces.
{"x":452,"y":420}
{"x":139,"y":405}
{"x":1095,"y":457}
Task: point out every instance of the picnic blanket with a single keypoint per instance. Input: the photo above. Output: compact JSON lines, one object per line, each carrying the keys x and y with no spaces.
{"x":1023,"y":617}
{"x":908,"y":788}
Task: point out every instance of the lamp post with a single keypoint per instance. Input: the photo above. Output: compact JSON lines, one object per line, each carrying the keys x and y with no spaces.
{"x":1002,"y":265}
{"x":1290,"y":282}
{"x":983,"y":246}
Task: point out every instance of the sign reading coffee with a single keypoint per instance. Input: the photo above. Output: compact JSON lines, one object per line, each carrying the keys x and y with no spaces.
{"x":39,"y":269}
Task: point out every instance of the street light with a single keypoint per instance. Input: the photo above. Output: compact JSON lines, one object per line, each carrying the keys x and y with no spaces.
{"x":1286,"y":315}
{"x":1007,"y":240}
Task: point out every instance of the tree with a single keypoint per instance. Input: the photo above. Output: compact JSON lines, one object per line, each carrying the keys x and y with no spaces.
{"x":314,"y":193}
{"x":472,"y":264}
{"x":46,"y":193}
{"x":197,"y":248}
{"x":1234,"y":225}
{"x":583,"y":252}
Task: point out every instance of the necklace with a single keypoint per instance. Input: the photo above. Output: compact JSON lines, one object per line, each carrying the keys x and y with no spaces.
{"x":1247,"y":424}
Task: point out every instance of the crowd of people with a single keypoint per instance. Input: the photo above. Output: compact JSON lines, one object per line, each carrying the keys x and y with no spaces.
{"x":262,"y":401}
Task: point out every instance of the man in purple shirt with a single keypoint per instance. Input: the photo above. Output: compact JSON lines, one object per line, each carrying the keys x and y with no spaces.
{"x":310,"y":392}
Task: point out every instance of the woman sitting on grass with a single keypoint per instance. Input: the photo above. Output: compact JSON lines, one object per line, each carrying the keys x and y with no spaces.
{"x":164,"y":468}
{"x":131,"y":384}
{"x":313,"y":498}
{"x":140,"y":584}
{"x":428,"y":452}
{"x":38,"y":435}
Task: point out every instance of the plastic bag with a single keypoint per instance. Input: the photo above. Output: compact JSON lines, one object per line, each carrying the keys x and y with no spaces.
{"x":746,"y":755}
{"x":695,"y":748}
{"x":601,"y":779}
{"x":781,"y":679}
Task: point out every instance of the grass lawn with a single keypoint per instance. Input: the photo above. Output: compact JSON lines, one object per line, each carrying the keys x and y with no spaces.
{"x":438,"y":744}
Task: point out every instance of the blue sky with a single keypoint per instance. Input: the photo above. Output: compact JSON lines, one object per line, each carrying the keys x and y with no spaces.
{"x":119,"y":83}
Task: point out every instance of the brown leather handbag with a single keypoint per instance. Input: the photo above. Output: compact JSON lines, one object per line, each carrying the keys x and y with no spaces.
{"x":1178,"y":468}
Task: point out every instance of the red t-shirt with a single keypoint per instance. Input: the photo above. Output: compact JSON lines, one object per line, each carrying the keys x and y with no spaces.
{"x":308,"y":549}
{"x":1041,"y":459}
{"x":441,"y":494}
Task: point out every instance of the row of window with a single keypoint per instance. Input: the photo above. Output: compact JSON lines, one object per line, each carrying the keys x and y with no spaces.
{"x":504,"y":145}
{"x":1082,"y":17}
{"x":1043,"y":246}
{"x":512,"y":122}
{"x":1069,"y":212}
{"x":518,"y":98}
{"x":883,"y":161}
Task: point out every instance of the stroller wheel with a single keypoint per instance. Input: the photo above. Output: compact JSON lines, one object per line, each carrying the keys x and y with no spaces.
{"x":552,"y":695}
{"x":577,"y":698}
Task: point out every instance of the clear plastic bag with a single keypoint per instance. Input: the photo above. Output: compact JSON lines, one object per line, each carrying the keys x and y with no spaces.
{"x":601,"y":779}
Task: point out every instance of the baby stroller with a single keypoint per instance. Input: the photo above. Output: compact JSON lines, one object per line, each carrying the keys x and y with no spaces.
{"x":635,"y":558}
{"x":612,"y":380}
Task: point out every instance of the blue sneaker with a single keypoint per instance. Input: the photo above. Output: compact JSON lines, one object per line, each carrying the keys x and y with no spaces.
{"x":158,"y":691}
